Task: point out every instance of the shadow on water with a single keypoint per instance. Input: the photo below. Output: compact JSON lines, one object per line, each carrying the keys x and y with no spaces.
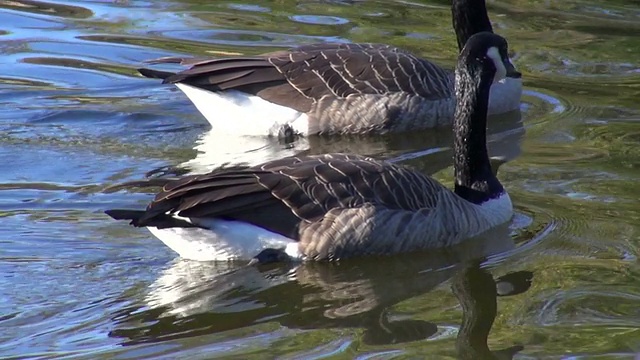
{"x":199,"y":299}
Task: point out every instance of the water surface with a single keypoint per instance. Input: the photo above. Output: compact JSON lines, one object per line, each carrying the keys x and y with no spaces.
{"x":562,"y":281}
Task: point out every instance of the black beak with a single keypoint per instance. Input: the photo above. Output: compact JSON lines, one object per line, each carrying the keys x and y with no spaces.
{"x":511,"y":70}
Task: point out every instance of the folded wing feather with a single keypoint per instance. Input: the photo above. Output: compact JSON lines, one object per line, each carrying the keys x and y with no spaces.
{"x":281,"y":194}
{"x":316,"y":71}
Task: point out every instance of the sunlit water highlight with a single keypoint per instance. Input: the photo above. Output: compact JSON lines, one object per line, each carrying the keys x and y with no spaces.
{"x":76,"y":120}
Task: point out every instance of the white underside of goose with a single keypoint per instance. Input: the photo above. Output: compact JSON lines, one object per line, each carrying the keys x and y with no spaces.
{"x":222,"y":240}
{"x":236,"y":113}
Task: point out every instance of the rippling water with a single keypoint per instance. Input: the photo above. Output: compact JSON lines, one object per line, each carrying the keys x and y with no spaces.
{"x":76,"y":120}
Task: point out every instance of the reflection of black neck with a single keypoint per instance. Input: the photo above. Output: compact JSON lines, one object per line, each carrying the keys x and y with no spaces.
{"x":476,"y":291}
{"x":475,"y":181}
{"x":469,"y":17}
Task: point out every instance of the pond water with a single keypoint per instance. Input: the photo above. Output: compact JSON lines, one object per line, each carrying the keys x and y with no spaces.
{"x":76,"y":120}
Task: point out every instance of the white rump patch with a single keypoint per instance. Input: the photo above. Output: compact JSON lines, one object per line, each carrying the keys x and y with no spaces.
{"x":501,"y":71}
{"x":223,"y":240}
{"x":237,"y":113}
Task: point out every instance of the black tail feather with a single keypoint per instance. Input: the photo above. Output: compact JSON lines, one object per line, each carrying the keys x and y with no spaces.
{"x":155,"y":74}
{"x":119,"y":214}
{"x":140,"y":184}
{"x":161,"y":221}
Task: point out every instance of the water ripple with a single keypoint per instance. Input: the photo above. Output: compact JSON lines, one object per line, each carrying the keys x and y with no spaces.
{"x":77,"y":120}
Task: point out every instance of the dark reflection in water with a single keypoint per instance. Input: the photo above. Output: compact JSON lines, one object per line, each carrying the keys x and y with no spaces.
{"x":477,"y":292}
{"x":192,"y":299}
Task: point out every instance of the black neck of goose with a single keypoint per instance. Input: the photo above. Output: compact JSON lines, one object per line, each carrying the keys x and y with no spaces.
{"x":474,"y":179}
{"x":469,"y":17}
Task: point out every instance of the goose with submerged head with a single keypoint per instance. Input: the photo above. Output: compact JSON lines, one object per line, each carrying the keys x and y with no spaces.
{"x":333,"y":88}
{"x":335,"y":206}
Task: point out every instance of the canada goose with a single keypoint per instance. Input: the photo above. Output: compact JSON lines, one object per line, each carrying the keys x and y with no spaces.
{"x":333,"y":88}
{"x":333,"y":206}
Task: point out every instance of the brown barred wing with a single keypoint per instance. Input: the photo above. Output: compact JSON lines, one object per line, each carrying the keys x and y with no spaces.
{"x":279,"y":194}
{"x":349,"y":69}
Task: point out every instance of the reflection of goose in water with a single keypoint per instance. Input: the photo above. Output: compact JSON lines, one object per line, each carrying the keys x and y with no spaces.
{"x":199,"y":299}
{"x":215,"y":150}
{"x":477,"y":292}
{"x":505,"y":133}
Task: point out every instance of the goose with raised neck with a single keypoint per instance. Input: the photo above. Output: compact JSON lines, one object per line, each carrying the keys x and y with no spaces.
{"x":336,"y":206}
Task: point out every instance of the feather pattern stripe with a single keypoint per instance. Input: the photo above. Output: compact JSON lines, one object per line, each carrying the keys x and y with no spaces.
{"x":338,"y":70}
{"x":309,"y":186}
{"x":334,"y":88}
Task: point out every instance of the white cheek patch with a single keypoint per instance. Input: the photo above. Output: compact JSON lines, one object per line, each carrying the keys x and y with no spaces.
{"x":501,"y":71}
